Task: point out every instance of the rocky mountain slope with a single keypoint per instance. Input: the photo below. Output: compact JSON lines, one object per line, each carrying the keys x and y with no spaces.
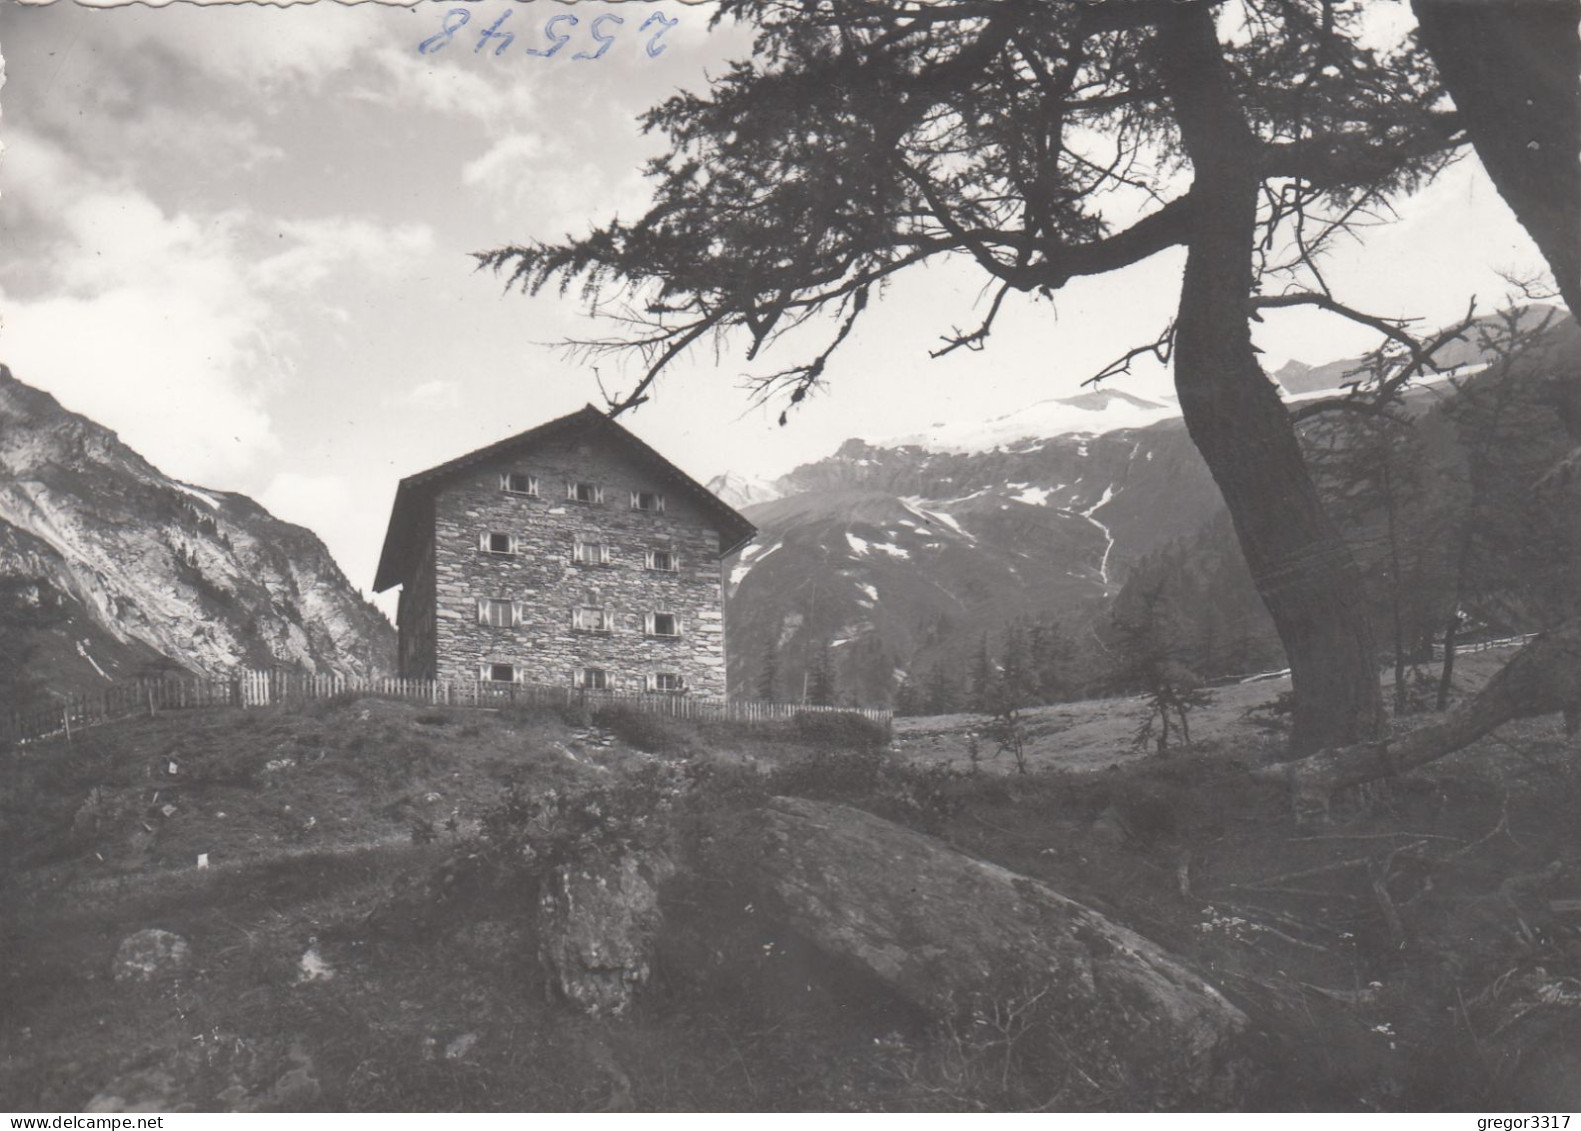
{"x":134,"y":570}
{"x":895,"y":556}
{"x":903,"y":552}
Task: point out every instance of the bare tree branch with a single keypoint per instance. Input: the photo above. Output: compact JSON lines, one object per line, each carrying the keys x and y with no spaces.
{"x":1161,"y":348}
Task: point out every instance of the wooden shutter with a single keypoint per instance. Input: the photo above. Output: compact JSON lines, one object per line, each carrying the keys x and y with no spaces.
{"x":579,"y":551}
{"x":651,"y":681}
{"x":606,"y":620}
{"x":505,"y":481}
{"x":483,"y":540}
{"x":483,"y":610}
{"x":598,"y":493}
{"x":658,"y":503}
{"x":648,"y":560}
{"x":649,"y":624}
{"x":518,"y":614}
{"x":570,"y":493}
{"x":603,"y":553}
{"x":579,"y":677}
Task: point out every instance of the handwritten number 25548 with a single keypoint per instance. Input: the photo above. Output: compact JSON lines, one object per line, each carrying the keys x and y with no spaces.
{"x":458,"y":18}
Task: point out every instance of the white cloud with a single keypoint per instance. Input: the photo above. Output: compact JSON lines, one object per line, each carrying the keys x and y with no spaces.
{"x":506,"y":158}
{"x":323,"y":245}
{"x":445,"y":85}
{"x":267,"y":50}
{"x":430,"y":395}
{"x":161,"y":367}
{"x":163,"y":324}
{"x":548,"y":185}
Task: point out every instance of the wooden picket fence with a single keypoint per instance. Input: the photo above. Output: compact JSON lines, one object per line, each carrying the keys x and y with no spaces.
{"x":70,"y":713}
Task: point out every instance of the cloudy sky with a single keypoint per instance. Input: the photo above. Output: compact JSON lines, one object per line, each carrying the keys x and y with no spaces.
{"x":241,"y":236}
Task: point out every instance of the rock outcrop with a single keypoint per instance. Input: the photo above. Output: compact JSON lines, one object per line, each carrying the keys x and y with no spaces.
{"x":972,"y":943}
{"x":597,"y":924}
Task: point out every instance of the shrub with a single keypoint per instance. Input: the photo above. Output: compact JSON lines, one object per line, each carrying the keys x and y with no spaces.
{"x":920,"y":797}
{"x":849,"y":730}
{"x":648,"y":732}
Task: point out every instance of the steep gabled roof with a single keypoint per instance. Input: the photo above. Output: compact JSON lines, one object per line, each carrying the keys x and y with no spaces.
{"x":403,"y":537}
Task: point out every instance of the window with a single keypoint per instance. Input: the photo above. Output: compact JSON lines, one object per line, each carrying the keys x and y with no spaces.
{"x":498,"y":613}
{"x":591,"y":679}
{"x":590,"y":553}
{"x":647,"y":501}
{"x":584,"y":492}
{"x":590,"y":618}
{"x":518,"y":483}
{"x":663,"y":624}
{"x":661,"y":560}
{"x":669,"y":683}
{"x":498,"y":673}
{"x":497,"y":542}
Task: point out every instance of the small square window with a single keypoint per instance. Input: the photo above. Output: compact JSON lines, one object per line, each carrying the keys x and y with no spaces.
{"x":590,"y":553}
{"x":496,"y":613}
{"x":668,"y":682}
{"x":497,"y":542}
{"x":590,"y":618}
{"x":499,"y":673}
{"x":663,"y":624}
{"x":584,"y":492}
{"x":519,"y":483}
{"x":592,"y":679}
{"x":647,"y":501}
{"x":661,"y":560}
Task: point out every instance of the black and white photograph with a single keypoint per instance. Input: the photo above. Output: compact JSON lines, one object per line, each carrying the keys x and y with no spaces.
{"x":750,"y":556}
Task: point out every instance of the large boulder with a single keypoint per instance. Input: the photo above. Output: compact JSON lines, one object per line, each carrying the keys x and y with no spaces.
{"x":596,"y":929}
{"x":973,"y":944}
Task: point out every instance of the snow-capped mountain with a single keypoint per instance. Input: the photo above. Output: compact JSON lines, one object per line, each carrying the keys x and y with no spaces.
{"x":151,"y":571}
{"x":740,"y":490}
{"x":897,"y":556}
{"x":902,"y":551}
{"x":1091,"y":413}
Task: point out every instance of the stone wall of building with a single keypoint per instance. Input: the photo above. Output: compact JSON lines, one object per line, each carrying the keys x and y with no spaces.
{"x":538,"y":575}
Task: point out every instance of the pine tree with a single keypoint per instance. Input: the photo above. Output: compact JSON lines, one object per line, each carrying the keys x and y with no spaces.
{"x":822,"y":689}
{"x":768,"y":671}
{"x":1148,"y":634}
{"x":908,"y":698}
{"x":938,"y":694}
{"x":980,"y":681}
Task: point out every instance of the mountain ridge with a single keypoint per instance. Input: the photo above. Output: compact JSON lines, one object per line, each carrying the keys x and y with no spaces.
{"x":148,"y":571}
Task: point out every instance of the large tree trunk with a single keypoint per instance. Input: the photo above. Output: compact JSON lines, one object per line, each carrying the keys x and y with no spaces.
{"x":1303,"y":570}
{"x":1511,"y":68}
{"x":1543,"y":677}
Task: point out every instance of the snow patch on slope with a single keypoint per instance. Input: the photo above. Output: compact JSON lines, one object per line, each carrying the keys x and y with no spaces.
{"x":196,"y":493}
{"x":913,"y":503}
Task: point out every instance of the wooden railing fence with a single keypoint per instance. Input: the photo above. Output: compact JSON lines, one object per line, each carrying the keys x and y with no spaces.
{"x":66,"y":714}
